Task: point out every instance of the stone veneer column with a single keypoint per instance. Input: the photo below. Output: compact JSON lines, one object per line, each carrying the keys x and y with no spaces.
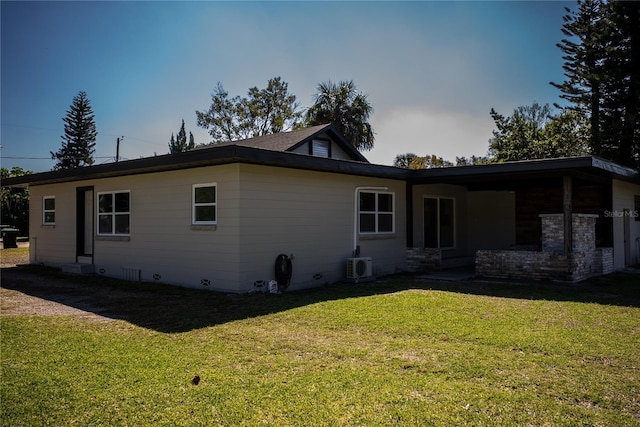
{"x":583,"y":232}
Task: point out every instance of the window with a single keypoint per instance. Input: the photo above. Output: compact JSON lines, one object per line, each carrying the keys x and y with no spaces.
{"x":49,"y":210}
{"x":376,"y":212}
{"x":204,"y":204}
{"x":439,"y":223}
{"x":321,"y":148}
{"x":114,"y":213}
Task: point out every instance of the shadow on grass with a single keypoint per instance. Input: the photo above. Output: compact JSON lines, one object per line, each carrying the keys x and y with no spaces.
{"x":621,"y":289}
{"x":173,"y":309}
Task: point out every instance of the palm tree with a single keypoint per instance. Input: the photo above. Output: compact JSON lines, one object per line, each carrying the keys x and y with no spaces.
{"x":347,"y":109}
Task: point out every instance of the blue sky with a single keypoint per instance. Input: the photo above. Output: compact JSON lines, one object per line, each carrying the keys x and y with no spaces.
{"x":432,"y":70}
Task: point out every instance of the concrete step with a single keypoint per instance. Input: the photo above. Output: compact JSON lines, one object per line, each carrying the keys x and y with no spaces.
{"x":77,"y":268}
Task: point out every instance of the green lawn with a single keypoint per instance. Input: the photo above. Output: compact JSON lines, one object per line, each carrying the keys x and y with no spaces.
{"x":395,"y":352}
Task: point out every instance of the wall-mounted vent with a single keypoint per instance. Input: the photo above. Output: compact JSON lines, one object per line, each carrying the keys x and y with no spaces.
{"x":132,"y":274}
{"x":359,"y":268}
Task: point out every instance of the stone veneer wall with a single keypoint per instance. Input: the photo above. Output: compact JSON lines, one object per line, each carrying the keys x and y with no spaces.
{"x":583,"y":233}
{"x":552,"y":263}
{"x":423,"y":259}
{"x":604,"y":261}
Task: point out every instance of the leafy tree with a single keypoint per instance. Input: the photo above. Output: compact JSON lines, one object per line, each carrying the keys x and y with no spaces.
{"x":429,"y":162}
{"x":565,"y":135}
{"x":347,"y":109}
{"x":78,"y":141}
{"x":179,"y":143}
{"x":473,"y":160}
{"x":14,"y":202}
{"x":412,"y":161}
{"x":602,"y":69}
{"x":265,"y":111}
{"x":404,"y":160}
{"x":533,"y":133}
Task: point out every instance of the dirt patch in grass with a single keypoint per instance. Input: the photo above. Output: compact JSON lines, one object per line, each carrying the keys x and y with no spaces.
{"x":51,"y":303}
{"x":14,"y":256}
{"x":14,"y":303}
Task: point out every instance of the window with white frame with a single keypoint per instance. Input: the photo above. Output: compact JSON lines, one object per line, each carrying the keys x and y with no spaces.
{"x":439,"y":222}
{"x":114,"y":213}
{"x":49,"y":210}
{"x":204,"y":210}
{"x":376,"y":212}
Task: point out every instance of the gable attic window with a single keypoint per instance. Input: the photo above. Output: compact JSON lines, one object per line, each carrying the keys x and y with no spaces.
{"x":204,"y":210}
{"x":49,"y":210}
{"x":114,"y":213}
{"x":321,"y":148}
{"x":376,"y":212}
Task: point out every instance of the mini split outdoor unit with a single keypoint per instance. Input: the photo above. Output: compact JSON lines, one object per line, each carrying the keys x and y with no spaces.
{"x":359,"y":268}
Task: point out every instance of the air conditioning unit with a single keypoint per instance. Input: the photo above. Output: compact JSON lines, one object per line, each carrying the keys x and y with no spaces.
{"x":359,"y":268}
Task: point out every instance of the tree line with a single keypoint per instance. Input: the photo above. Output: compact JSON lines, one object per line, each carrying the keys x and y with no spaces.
{"x":264,"y":111}
{"x":601,"y":48}
{"x":274,"y":109}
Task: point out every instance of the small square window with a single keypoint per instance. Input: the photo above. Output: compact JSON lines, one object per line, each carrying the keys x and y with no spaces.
{"x":320,"y":148}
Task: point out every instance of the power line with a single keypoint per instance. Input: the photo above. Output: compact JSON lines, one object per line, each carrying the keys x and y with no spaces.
{"x":59,"y":130}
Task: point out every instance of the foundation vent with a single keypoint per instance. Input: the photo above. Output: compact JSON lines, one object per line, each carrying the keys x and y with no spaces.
{"x":132,"y":274}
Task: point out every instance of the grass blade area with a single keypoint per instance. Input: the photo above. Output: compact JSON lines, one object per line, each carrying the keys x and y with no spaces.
{"x":395,"y":352}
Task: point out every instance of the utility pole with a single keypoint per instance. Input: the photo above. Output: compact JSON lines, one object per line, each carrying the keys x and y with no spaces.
{"x":118,"y":149}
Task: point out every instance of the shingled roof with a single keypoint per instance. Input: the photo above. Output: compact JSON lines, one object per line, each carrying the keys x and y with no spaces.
{"x":282,"y":141}
{"x":289,"y":141}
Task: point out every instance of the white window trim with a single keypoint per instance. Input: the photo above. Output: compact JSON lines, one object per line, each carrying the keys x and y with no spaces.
{"x":377,"y":213}
{"x":113,"y":214}
{"x":45,"y":210}
{"x":455,"y":221}
{"x":194,"y":204}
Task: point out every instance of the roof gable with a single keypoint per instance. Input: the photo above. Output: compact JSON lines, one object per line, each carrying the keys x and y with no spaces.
{"x":296,"y":141}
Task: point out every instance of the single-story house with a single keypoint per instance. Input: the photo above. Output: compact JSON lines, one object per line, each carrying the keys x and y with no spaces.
{"x":217,"y":217}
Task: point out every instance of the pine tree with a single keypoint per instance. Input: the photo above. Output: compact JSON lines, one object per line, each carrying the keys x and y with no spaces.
{"x":78,"y":141}
{"x":621,"y":106}
{"x":602,"y":67}
{"x":179,"y":143}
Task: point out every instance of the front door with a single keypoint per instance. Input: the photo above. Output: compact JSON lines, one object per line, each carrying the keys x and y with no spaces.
{"x":84,"y":225}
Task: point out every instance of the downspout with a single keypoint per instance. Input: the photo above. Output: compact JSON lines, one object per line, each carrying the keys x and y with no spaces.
{"x":355,"y":213}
